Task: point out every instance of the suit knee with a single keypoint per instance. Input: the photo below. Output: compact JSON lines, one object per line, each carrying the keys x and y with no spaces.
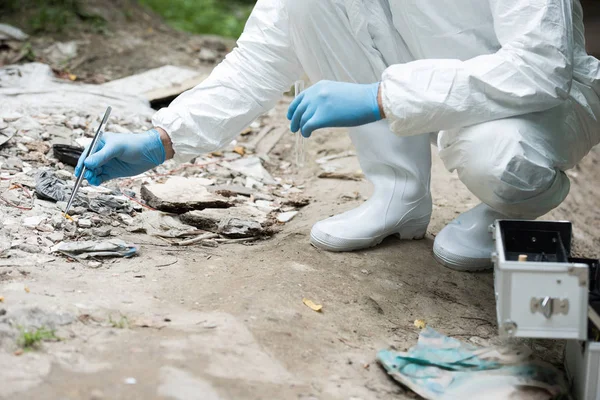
{"x":515,"y":180}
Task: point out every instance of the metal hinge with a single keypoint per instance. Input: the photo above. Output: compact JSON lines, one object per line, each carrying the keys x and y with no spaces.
{"x":549,"y":306}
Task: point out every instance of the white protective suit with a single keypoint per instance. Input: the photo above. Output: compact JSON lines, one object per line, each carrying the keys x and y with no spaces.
{"x":507,"y":83}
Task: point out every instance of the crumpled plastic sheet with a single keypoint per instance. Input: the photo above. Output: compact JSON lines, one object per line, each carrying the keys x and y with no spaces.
{"x":90,"y":248}
{"x":440,"y":367}
{"x":48,"y":186}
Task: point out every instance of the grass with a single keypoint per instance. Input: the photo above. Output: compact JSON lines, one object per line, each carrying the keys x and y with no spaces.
{"x":32,"y":340}
{"x":51,"y":16}
{"x":122,"y":323}
{"x":219,"y":17}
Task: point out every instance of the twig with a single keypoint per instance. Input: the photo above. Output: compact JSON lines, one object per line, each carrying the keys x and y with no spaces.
{"x":478,"y":319}
{"x":198,"y":239}
{"x":166,"y":265}
{"x":242,"y":240}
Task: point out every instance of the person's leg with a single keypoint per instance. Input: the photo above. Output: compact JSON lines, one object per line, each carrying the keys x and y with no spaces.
{"x":329,"y":46}
{"x":515,"y":166}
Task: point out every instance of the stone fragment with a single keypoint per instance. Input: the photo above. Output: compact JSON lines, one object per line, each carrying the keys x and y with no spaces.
{"x":102,"y":232}
{"x":64,"y":175}
{"x":179,"y":195}
{"x":56,"y":237}
{"x":84,"y":223}
{"x":251,"y":167}
{"x":286,"y":216}
{"x":237,"y":222}
{"x":34,"y":221}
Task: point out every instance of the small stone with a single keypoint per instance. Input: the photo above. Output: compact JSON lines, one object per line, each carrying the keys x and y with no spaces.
{"x":364,"y":271}
{"x":207,"y":55}
{"x":56,"y":237}
{"x":57,"y":221}
{"x":130,"y":381}
{"x":38,"y":241}
{"x":102,"y":232}
{"x":78,"y":211}
{"x":64,"y":175}
{"x":126,"y":219}
{"x":286,"y":216}
{"x":33,"y":222}
{"x":265,"y":206}
{"x":14,"y":163}
{"x":11,"y":116}
{"x":84,"y":223}
{"x":94,"y":264}
{"x":115,"y":223}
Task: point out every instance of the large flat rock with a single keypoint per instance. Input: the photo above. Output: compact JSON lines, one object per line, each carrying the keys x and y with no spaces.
{"x":179,"y":195}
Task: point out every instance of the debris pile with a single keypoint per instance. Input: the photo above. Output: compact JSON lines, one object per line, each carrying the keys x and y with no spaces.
{"x":226,"y":197}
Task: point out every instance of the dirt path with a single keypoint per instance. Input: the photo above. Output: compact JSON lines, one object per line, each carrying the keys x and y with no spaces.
{"x":229,"y":322}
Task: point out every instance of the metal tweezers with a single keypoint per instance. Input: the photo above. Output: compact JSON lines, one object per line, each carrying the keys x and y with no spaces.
{"x":91,"y":150}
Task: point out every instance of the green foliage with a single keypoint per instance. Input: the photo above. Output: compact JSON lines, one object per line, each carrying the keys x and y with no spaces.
{"x":225,"y":18}
{"x":122,"y":323}
{"x":32,"y":340}
{"x":50,"y":16}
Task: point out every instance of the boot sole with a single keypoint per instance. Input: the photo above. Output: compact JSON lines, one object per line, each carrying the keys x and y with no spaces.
{"x":460,"y":263}
{"x":410,"y":233}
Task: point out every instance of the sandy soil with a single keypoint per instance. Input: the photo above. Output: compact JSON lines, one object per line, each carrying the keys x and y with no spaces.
{"x":237,"y":327}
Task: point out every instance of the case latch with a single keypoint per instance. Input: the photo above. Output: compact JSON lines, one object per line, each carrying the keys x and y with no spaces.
{"x":549,"y":306}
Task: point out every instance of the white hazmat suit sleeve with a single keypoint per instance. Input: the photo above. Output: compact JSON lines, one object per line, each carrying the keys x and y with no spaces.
{"x":532,"y":71}
{"x":245,"y":85}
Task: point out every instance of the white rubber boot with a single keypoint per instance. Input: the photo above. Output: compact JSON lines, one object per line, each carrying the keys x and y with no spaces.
{"x":466,"y":244}
{"x":400,"y":170}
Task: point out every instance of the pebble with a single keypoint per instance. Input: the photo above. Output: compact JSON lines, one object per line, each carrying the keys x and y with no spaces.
{"x":130,"y":381}
{"x":207,"y":55}
{"x":84,"y":223}
{"x":126,"y":219}
{"x":286,"y":216}
{"x":101,"y":232}
{"x":94,"y":264}
{"x":64,"y":175}
{"x":56,"y":237}
{"x":11,"y":116}
{"x":32,"y":222}
{"x":14,"y":162}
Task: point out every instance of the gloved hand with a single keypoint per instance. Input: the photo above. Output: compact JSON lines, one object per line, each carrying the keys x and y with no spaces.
{"x":122,"y":154}
{"x":334,"y":104}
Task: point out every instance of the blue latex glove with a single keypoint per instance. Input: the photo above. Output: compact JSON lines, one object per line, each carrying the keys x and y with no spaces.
{"x":122,"y":154}
{"x":334,"y":104}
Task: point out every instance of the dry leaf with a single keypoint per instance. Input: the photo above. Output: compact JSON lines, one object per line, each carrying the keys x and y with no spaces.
{"x":310,"y":304}
{"x":420,"y":323}
{"x":72,"y":77}
{"x":240,"y":150}
{"x":1,"y":299}
{"x":26,"y":289}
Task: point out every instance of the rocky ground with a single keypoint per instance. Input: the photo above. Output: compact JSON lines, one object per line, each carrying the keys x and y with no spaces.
{"x":221,"y":316}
